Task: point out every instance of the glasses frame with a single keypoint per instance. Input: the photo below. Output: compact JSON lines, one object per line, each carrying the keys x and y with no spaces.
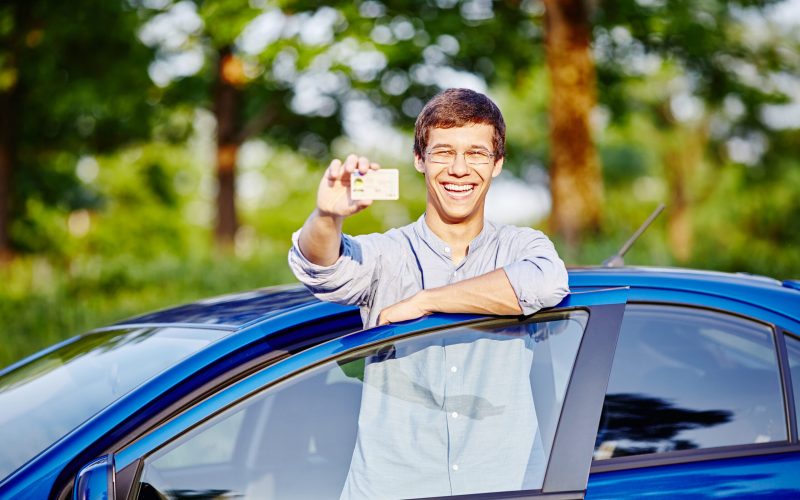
{"x":429,"y":152}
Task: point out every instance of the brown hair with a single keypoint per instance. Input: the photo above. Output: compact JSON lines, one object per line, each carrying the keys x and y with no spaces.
{"x":457,"y":108}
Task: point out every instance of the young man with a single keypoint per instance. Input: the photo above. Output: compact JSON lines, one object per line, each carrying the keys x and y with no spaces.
{"x":427,"y":427}
{"x":450,"y":260}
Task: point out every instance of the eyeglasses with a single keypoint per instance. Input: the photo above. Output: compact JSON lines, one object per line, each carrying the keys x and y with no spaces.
{"x":475,"y":157}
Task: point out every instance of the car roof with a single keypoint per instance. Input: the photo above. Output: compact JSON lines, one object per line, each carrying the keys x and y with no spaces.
{"x":762,"y":291}
{"x":240,"y":310}
{"x":234,"y":310}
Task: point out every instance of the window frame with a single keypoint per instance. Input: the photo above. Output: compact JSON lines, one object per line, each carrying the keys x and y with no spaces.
{"x":675,"y":457}
{"x":582,"y":401}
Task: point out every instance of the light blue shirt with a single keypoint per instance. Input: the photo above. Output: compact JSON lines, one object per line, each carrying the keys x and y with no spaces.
{"x":377,"y":270}
{"x":456,"y":416}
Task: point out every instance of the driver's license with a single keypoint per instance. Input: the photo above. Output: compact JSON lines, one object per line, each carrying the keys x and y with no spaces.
{"x":382,"y":184}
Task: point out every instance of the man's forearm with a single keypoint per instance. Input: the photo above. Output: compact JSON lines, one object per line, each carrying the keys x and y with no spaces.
{"x":489,"y":293}
{"x":321,"y":238}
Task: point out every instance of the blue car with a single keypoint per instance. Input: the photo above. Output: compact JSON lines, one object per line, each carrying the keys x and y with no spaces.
{"x":663,"y":383}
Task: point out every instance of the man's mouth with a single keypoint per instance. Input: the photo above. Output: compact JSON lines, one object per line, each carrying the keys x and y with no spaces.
{"x":459,"y":190}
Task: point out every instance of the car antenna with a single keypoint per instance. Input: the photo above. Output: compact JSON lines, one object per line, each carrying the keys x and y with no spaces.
{"x":618,"y":259}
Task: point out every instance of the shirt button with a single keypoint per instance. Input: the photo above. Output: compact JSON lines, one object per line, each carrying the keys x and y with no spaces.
{"x":455,"y":414}
{"x":455,"y":467}
{"x":446,"y":249}
{"x":453,"y":369}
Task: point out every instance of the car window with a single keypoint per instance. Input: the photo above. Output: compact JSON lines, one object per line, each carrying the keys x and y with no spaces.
{"x":793,"y":349}
{"x":686,"y":378}
{"x":47,"y":398}
{"x":458,"y":411}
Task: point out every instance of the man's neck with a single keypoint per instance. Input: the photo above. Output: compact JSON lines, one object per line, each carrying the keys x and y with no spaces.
{"x":457,"y":235}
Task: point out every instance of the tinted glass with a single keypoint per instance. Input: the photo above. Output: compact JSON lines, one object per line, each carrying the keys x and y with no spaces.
{"x":465,"y":410}
{"x":687,"y":378}
{"x":42,"y":401}
{"x":793,"y":348}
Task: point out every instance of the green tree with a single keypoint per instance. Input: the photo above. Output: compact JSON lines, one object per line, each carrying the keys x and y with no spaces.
{"x":64,"y":93}
{"x":703,"y":73}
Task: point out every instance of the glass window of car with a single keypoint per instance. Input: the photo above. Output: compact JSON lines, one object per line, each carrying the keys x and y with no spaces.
{"x":686,"y":378}
{"x":793,"y":349}
{"x":45,"y":399}
{"x":431,"y":415}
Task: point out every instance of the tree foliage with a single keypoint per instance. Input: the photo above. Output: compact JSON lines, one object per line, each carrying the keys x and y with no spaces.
{"x":66,"y":92}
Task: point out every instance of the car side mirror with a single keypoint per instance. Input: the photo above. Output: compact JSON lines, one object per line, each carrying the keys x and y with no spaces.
{"x":95,"y":481}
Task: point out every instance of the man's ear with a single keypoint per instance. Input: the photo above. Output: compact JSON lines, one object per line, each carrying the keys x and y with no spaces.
{"x":419,"y":164}
{"x":498,"y":167}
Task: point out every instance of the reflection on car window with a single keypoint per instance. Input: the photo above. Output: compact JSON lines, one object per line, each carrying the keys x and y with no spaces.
{"x":793,"y":348}
{"x":44,"y":400}
{"x":687,"y":378}
{"x":465,"y":410}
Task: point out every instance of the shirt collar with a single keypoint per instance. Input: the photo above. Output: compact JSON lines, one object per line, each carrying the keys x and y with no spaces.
{"x":439,"y":246}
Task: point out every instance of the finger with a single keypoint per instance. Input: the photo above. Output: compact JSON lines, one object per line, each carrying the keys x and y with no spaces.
{"x":362,"y":204}
{"x":374,"y":166}
{"x":350,"y":163}
{"x":382,"y":320}
{"x":334,"y":169}
{"x":363,"y":165}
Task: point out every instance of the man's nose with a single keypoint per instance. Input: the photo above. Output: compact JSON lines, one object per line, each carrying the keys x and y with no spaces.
{"x":459,"y":168}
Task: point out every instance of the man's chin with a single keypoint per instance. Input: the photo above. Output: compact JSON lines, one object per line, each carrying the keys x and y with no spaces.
{"x":457,"y":216}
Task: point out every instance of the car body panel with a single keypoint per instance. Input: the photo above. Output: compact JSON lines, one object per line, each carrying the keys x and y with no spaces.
{"x":763,"y":476}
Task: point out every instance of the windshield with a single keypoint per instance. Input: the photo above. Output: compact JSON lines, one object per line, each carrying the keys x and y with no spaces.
{"x":42,"y":401}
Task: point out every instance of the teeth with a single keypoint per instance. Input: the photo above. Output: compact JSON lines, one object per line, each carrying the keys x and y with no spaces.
{"x":456,"y":187}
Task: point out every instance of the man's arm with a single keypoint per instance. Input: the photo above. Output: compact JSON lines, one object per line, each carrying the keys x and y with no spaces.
{"x":538,"y":279}
{"x":321,"y":236}
{"x":489,"y":293}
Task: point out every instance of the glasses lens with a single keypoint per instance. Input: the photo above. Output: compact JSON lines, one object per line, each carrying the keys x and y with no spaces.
{"x":442,"y":156}
{"x":477,"y":157}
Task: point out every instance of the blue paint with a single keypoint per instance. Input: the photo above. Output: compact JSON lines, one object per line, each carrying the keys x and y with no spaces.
{"x":765,"y":476}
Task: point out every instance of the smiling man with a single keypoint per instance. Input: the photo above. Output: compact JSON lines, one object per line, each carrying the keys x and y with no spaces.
{"x":451,"y":259}
{"x":455,"y":416}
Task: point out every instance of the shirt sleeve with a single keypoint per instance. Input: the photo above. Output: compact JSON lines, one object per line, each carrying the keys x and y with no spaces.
{"x":538,"y":276}
{"x":346,"y":281}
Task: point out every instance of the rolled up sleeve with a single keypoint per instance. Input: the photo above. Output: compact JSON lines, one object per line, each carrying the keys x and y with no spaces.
{"x":538,"y":276}
{"x":346,"y":281}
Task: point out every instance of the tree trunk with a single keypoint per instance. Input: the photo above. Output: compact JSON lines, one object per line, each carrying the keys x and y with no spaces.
{"x":576,"y":182}
{"x":683,"y":153}
{"x":226,"y":107}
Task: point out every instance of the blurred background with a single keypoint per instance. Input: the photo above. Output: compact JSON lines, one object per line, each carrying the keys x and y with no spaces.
{"x":154,"y":152}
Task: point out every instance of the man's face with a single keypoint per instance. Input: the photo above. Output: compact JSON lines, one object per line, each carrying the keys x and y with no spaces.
{"x":457,"y":191}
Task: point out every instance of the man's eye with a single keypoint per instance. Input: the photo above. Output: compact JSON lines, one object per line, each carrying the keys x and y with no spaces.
{"x":442,"y":155}
{"x":478,"y":156}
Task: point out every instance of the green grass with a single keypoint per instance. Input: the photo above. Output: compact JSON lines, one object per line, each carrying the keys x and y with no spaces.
{"x":42,"y":302}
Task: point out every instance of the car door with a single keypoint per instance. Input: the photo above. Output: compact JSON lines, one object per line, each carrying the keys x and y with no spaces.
{"x":443,"y":406}
{"x":701,"y":402}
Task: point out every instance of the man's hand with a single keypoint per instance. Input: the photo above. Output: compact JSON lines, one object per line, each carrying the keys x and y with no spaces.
{"x":333,"y":195}
{"x":411,"y":308}
{"x":321,"y":235}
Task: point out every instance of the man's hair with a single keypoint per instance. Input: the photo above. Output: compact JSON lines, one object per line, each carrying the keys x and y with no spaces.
{"x":457,"y":108}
